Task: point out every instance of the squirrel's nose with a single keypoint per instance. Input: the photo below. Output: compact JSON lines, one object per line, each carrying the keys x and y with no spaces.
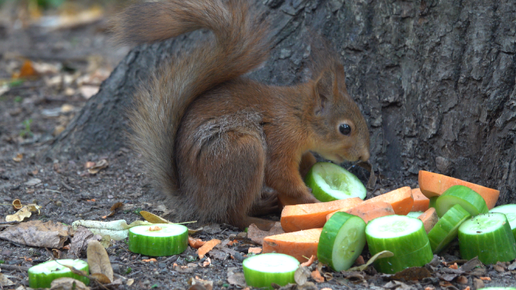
{"x":365,"y":155}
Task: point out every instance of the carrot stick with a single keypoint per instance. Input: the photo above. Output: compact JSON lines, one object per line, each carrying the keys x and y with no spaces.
{"x":429,"y":218}
{"x":434,"y":184}
{"x":208,"y":246}
{"x":369,"y":210}
{"x":312,"y":215}
{"x":400,"y":199}
{"x":298,"y":244}
{"x":421,"y":202}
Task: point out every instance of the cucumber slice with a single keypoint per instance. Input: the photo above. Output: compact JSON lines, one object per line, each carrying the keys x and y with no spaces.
{"x":158,"y":239}
{"x":262,"y":270}
{"x":489,"y":237}
{"x":342,"y":240}
{"x":510,"y":212}
{"x":414,"y":214}
{"x":329,"y":182}
{"x":471,"y":201}
{"x":404,"y":236}
{"x":41,"y":275}
{"x":497,"y":288}
{"x":446,"y":228}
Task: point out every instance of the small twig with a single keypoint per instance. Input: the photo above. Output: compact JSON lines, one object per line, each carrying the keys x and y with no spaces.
{"x":14,"y":267}
{"x":66,"y":186}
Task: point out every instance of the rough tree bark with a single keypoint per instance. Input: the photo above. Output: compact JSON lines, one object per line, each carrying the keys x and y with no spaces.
{"x":435,"y":80}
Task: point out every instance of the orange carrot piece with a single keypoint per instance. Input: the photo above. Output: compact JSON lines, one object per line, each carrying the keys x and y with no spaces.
{"x":429,"y":219}
{"x":421,"y":202}
{"x":195,"y":242}
{"x":369,"y":210}
{"x":312,"y":215}
{"x":400,"y":199}
{"x":435,"y":184}
{"x":298,"y":244}
{"x":208,"y":246}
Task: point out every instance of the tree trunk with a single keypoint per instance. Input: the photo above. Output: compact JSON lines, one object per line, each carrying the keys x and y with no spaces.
{"x":434,"y":79}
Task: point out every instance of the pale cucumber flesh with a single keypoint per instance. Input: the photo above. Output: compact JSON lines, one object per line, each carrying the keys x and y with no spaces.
{"x":510,"y":212}
{"x":404,"y":236}
{"x":342,"y":240}
{"x":42,"y":275}
{"x":329,"y":182}
{"x":489,"y":237}
{"x":262,"y":270}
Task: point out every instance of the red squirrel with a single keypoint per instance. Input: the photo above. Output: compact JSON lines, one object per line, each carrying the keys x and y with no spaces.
{"x":212,"y":139}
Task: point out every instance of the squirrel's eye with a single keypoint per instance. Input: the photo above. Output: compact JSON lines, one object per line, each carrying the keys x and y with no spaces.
{"x":345,"y":129}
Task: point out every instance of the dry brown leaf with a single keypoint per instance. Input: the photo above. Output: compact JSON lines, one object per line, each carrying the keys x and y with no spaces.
{"x":66,"y":283}
{"x":101,"y":278}
{"x":208,"y":285}
{"x":256,"y":235}
{"x":4,"y":281}
{"x":98,"y":166}
{"x":23,"y":213}
{"x":37,"y":234}
{"x":18,"y":158}
{"x":115,"y":207}
{"x":195,"y":243}
{"x":152,"y":218}
{"x":17,"y":204}
{"x":98,"y":260}
{"x":26,"y":71}
{"x":207,"y":247}
{"x":301,"y":275}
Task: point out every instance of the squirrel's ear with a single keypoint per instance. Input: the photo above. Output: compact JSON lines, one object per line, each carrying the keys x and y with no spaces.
{"x":326,"y":88}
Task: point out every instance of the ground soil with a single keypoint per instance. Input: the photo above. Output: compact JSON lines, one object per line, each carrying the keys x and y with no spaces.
{"x":68,"y":192}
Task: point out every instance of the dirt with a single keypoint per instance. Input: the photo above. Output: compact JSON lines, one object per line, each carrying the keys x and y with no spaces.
{"x":67,"y":191}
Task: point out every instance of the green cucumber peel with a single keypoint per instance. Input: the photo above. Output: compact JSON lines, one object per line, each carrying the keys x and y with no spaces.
{"x":342,"y":241}
{"x":510,"y":213}
{"x":42,"y":275}
{"x":262,"y":270}
{"x":158,"y":239}
{"x":329,"y":182}
{"x":447,"y":227}
{"x":489,"y":237}
{"x":432,"y":201}
{"x":471,"y":201}
{"x":404,"y":236}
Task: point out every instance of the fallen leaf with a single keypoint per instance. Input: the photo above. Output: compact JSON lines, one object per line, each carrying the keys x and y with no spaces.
{"x":101,"y":278}
{"x":115,"y":207}
{"x":26,"y":71}
{"x":236,"y":278}
{"x":23,"y":213}
{"x":17,"y":204}
{"x":382,"y":254}
{"x":316,"y":275}
{"x":18,"y":157}
{"x":66,"y":283}
{"x":98,"y":166}
{"x":207,"y":247}
{"x":37,"y":233}
{"x":462,"y":280}
{"x":301,"y":275}
{"x":32,"y":182}
{"x":89,"y":164}
{"x":359,"y":261}
{"x":195,"y":243}
{"x":208,"y":285}
{"x":4,"y":281}
{"x":98,"y":261}
{"x":155,"y":219}
{"x":256,"y":235}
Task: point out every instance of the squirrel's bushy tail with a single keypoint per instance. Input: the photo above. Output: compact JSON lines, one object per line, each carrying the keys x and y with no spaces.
{"x":240,"y":45}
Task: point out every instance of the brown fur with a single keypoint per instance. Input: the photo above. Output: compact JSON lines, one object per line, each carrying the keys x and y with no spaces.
{"x":211,"y":138}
